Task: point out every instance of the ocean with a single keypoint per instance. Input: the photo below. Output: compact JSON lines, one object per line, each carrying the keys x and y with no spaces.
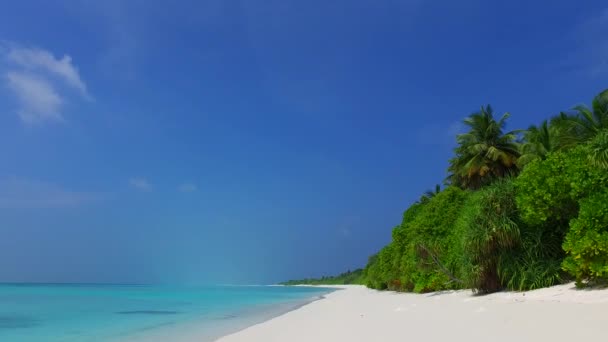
{"x":113,"y":313}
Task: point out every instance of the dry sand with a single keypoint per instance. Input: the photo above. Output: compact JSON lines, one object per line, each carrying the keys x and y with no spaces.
{"x":355,"y":313}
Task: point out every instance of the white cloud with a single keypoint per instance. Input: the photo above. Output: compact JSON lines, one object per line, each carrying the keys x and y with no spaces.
{"x":22,"y":193}
{"x":188,"y":187}
{"x":140,"y":184}
{"x":42,"y":60}
{"x":39,"y":100}
{"x":38,"y":81}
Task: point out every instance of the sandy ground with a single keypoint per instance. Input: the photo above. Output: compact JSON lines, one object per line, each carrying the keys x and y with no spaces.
{"x":355,"y":313}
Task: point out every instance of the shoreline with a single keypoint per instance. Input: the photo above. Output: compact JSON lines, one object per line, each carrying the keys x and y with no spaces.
{"x":276,"y":314}
{"x":235,"y":322}
{"x":356,"y":313}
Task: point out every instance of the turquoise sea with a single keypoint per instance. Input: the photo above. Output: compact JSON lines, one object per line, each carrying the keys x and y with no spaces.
{"x":82,"y":313}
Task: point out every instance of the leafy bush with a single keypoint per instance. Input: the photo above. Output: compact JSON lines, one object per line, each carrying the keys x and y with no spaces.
{"x":489,"y":223}
{"x":499,"y":250}
{"x":379,"y":270}
{"x":549,"y":194}
{"x":548,"y":191}
{"x":424,"y":254}
{"x":430,"y":251}
{"x":383,"y":269}
{"x":586,"y":243}
{"x":534,"y":264}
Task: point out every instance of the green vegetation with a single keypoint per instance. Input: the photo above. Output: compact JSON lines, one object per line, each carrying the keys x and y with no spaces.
{"x":423,"y":254}
{"x":598,"y":155}
{"x":538,"y":142}
{"x":521,"y":210}
{"x":424,"y":245}
{"x":484,"y":153}
{"x":490,"y":230}
{"x":349,"y":277}
{"x":586,"y":123}
{"x":548,"y":190}
{"x":587,"y":240}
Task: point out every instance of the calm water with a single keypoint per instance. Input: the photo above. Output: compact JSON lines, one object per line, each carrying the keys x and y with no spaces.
{"x":81,"y":313}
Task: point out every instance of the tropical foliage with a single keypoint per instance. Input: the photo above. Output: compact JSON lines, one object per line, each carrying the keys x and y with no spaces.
{"x":423,"y":255}
{"x":549,"y":190}
{"x":519,"y":212}
{"x":587,"y":123}
{"x":485,"y":152}
{"x":490,"y":230}
{"x":598,"y":154}
{"x":428,"y":246}
{"x":587,"y":240}
{"x":538,"y":142}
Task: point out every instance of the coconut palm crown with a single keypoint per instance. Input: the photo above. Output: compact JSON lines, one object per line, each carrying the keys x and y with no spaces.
{"x":538,"y":142}
{"x":485,"y":153}
{"x":587,"y":123}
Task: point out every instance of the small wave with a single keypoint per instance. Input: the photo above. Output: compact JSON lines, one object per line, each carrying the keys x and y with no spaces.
{"x":17,"y":322}
{"x":148,"y":312}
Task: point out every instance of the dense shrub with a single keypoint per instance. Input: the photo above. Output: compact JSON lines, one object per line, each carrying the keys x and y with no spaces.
{"x":506,"y":235}
{"x":424,"y":253}
{"x":548,"y":191}
{"x":379,"y":271}
{"x":535,"y":263}
{"x":383,"y":270}
{"x":549,"y":194}
{"x":432,"y":255}
{"x":586,"y":243}
{"x":489,"y":223}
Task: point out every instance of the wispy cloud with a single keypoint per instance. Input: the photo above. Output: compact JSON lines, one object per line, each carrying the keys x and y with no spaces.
{"x":18,"y":193}
{"x":140,"y":183}
{"x":39,"y":80}
{"x":34,"y":59}
{"x":187,"y":187}
{"x":39,"y":100}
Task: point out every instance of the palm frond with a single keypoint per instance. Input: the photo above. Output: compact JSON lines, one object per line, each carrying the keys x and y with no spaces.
{"x":485,"y":152}
{"x":598,"y":155}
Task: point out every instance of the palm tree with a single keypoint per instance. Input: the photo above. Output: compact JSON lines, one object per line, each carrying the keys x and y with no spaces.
{"x":598,"y":147}
{"x":586,"y":123}
{"x":538,"y":142}
{"x":485,"y":152}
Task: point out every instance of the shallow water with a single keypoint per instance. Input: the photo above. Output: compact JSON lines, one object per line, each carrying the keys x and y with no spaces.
{"x":80,"y":313}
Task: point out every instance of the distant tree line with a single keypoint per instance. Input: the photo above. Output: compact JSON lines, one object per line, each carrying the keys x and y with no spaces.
{"x":348,"y":277}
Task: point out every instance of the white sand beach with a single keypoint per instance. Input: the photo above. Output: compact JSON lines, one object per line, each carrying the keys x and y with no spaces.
{"x":355,"y":313}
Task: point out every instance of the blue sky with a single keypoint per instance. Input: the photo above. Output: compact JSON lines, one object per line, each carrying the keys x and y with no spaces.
{"x":249,"y":142}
